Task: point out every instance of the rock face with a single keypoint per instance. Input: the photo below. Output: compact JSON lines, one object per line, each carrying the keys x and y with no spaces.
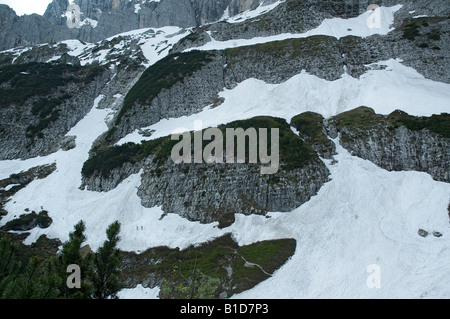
{"x":102,"y":19}
{"x":275,"y":62}
{"x":395,"y":145}
{"x":103,"y":183}
{"x":207,"y":193}
{"x":212,"y":192}
{"x":61,"y":96}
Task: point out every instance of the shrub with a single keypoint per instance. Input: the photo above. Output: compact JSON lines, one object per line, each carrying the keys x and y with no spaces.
{"x":411,"y":31}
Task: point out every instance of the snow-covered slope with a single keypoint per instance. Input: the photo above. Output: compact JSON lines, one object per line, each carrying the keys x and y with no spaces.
{"x":385,"y":90}
{"x":377,"y":21}
{"x":364,"y":216}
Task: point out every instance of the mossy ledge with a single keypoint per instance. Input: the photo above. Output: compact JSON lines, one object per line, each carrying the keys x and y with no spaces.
{"x":294,"y":153}
{"x":365,"y":118}
{"x":238,"y":268}
{"x":310,"y":127}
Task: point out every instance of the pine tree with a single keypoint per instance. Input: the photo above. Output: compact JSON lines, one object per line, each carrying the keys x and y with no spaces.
{"x":34,"y":282}
{"x":71,"y":255}
{"x":9,"y":266}
{"x":106,"y":262}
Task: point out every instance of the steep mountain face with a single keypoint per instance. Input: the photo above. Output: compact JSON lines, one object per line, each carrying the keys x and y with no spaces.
{"x":101,"y":19}
{"x":359,"y":93}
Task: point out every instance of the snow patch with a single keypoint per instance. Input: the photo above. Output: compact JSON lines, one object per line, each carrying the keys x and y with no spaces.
{"x":250,"y":14}
{"x":395,"y":87}
{"x":139,"y":292}
{"x":364,"y":216}
{"x":369,"y":23}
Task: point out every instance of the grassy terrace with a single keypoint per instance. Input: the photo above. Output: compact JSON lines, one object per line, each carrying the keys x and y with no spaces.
{"x":294,"y":153}
{"x":212,"y":259}
{"x":289,"y":48}
{"x":365,"y":118}
{"x":19,"y":82}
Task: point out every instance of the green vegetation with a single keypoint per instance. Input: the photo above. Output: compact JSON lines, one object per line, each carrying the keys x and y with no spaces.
{"x":411,"y":31}
{"x":42,"y":277}
{"x":365,"y":118}
{"x":114,"y":157}
{"x":195,"y":285}
{"x":163,"y":75}
{"x":23,"y":81}
{"x":439,"y":124}
{"x":106,"y":264}
{"x":362,"y":118}
{"x":207,"y":270}
{"x":44,"y":107}
{"x":310,"y":127}
{"x":191,"y":37}
{"x":108,"y":159}
{"x":434,"y":35}
{"x":33,"y":131}
{"x":29,"y":221}
{"x":294,"y":153}
{"x":285,"y":49}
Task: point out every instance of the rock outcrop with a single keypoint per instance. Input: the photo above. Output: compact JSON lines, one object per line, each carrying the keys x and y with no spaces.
{"x":212,"y":192}
{"x":397,"y":142}
{"x":208,"y":193}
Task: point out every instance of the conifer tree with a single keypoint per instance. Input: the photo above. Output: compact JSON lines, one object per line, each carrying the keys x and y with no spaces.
{"x":9,"y":266}
{"x":106,"y":262}
{"x":34,"y":282}
{"x":71,"y":255}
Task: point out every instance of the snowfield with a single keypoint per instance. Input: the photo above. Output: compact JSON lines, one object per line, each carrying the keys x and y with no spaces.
{"x":395,"y":87}
{"x":364,"y":216}
{"x":377,"y":21}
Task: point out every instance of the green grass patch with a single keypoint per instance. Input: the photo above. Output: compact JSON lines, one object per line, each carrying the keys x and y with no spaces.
{"x":310,"y":127}
{"x":294,"y":153}
{"x":269,"y":255}
{"x":106,"y":160}
{"x":365,"y":118}
{"x":439,"y":124}
{"x":220,"y":258}
{"x":411,"y":31}
{"x":290,"y":48}
{"x":361,"y":117}
{"x":23,"y":81}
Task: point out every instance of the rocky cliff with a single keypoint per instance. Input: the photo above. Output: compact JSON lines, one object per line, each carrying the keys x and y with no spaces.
{"x":396,"y":142}
{"x":102,"y":19}
{"x":205,"y":192}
